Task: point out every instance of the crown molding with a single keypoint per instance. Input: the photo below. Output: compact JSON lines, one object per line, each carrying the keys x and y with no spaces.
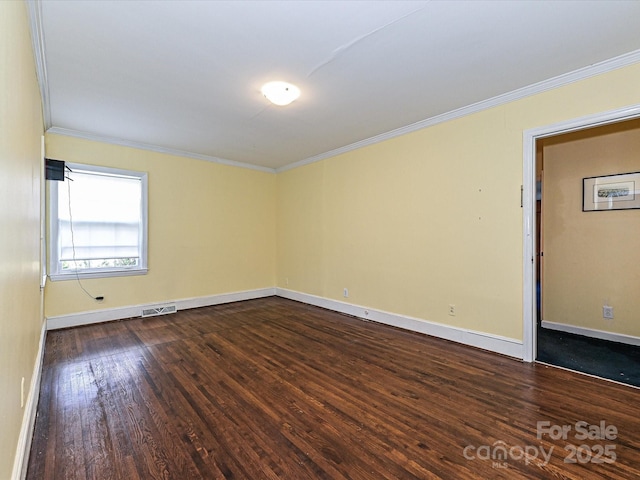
{"x":154,"y":148}
{"x":34,"y":9}
{"x":37,"y":35}
{"x":543,"y":86}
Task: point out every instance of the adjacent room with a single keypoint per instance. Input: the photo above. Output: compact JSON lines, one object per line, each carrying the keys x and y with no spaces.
{"x":584,"y":252}
{"x":317,"y":239}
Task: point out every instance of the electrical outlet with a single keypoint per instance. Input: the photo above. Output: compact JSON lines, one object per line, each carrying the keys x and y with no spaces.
{"x":607,"y":312}
{"x":345,"y":293}
{"x":22,"y":393}
{"x":452,"y":310}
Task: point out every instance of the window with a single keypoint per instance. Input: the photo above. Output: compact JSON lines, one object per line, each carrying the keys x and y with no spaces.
{"x":98,"y":223}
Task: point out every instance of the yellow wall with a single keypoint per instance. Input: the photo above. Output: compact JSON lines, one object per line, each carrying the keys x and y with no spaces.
{"x":300,"y":229}
{"x":211,"y":229}
{"x":590,"y":258}
{"x":432,"y":218}
{"x":409,"y":226}
{"x":20,"y":180}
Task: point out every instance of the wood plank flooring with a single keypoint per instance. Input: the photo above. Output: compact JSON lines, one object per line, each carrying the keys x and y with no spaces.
{"x":275,"y":389}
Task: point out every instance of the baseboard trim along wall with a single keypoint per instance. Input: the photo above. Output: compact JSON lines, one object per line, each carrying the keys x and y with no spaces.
{"x":589,"y":332}
{"x":494,"y":343}
{"x":21,"y":459}
{"x":134,"y":311}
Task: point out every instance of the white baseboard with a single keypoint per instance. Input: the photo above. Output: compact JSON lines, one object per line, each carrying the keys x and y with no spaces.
{"x":494,"y":343}
{"x":21,"y":460}
{"x":590,"y":332}
{"x":107,"y":315}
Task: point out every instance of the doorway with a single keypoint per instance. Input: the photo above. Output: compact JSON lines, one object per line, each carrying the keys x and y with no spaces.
{"x":584,"y":252}
{"x":532,"y":140}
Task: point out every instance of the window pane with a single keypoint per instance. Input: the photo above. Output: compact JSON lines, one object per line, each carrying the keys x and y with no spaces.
{"x":99,"y":240}
{"x":99,"y":221}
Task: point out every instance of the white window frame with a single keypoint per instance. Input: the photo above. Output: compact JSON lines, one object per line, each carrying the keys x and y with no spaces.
{"x":55,"y":272}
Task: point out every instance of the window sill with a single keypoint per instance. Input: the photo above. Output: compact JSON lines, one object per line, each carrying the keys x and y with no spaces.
{"x":97,"y":274}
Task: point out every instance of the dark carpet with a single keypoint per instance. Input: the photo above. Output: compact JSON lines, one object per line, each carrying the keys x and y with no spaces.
{"x":611,"y":360}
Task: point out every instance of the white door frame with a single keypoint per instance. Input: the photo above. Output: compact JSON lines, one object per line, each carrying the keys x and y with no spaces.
{"x":529,"y":208}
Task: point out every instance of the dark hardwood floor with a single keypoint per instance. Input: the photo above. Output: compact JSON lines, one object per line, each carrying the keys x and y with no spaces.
{"x":272,"y":388}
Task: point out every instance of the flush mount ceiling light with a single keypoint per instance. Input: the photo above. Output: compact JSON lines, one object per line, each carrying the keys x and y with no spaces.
{"x":280,"y":93}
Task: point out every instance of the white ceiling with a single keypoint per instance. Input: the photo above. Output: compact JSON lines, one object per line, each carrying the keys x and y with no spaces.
{"x":186,"y":75}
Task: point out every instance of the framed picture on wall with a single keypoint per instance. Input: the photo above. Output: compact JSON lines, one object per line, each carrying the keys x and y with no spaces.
{"x":612,"y":192}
